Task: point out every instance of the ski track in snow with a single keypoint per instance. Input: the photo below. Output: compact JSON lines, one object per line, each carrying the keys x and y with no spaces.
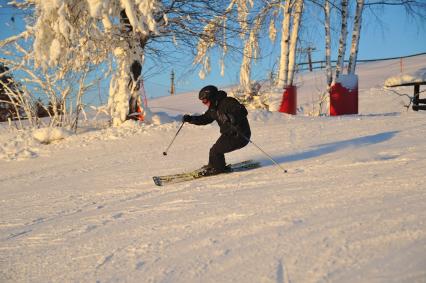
{"x":350,"y":209}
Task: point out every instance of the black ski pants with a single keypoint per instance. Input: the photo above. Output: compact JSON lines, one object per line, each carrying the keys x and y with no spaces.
{"x":225,"y":144}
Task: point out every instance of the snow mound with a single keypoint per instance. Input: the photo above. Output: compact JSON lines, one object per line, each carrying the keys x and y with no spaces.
{"x":49,"y":135}
{"x":160,"y":118}
{"x":274,"y":99}
{"x":19,"y":147}
{"x":418,"y":76}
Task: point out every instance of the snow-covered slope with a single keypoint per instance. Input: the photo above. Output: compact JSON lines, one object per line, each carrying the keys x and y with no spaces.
{"x":351,"y":208}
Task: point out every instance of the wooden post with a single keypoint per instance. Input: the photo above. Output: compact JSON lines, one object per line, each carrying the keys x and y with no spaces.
{"x":310,"y":57}
{"x":172,"y":83}
{"x":416,"y":97}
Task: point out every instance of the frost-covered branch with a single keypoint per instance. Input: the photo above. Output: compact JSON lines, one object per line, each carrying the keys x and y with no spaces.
{"x":14,"y":38}
{"x":251,"y":45}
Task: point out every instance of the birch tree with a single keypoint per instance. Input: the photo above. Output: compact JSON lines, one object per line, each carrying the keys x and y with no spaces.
{"x":297,"y":17}
{"x":292,"y":10}
{"x":327,"y":27}
{"x":285,"y":41}
{"x":343,"y":37}
{"x":356,"y":34}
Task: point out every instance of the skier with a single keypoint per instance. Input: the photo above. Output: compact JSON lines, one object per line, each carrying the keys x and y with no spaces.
{"x":234,"y":126}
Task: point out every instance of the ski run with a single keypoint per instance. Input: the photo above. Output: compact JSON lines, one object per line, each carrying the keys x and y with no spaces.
{"x":352,"y":207}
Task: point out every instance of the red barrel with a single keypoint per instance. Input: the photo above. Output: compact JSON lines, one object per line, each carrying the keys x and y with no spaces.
{"x":343,"y":99}
{"x":289,"y":102}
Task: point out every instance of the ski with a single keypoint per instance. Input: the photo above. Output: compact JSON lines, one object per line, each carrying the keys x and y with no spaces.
{"x":196,"y":174}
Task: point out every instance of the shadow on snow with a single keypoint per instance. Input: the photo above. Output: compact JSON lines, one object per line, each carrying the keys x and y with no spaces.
{"x":327,"y":148}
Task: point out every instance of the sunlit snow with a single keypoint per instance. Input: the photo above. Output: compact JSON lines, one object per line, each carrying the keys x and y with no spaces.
{"x":351,"y":208}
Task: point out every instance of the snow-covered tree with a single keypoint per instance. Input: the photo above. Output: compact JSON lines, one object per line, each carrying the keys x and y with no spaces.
{"x":247,"y":19}
{"x":251,"y":49}
{"x":119,"y":33}
{"x":84,"y":30}
{"x":234,"y":19}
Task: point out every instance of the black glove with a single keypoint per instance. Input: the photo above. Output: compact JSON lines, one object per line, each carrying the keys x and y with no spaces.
{"x":186,"y":118}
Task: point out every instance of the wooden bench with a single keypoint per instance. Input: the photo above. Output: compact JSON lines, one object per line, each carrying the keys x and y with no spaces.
{"x":417,"y":80}
{"x":418,"y":103}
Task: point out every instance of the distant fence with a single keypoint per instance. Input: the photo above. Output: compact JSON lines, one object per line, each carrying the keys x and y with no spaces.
{"x":310,"y":66}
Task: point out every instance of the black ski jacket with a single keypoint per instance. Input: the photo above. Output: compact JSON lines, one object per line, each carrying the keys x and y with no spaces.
{"x":228,"y":113}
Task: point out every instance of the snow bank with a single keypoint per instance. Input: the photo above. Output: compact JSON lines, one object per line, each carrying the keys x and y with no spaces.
{"x":273,"y":98}
{"x":19,"y":147}
{"x":24,"y":145}
{"x":49,"y":135}
{"x":418,"y":76}
{"x":162,"y":118}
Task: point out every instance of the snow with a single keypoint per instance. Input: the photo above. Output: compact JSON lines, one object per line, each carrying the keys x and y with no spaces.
{"x":348,"y":81}
{"x":49,"y":135}
{"x":351,"y":208}
{"x":419,"y":76}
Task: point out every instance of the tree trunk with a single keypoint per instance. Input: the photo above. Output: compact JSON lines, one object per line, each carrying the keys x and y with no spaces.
{"x":328,"y":69}
{"x":119,"y":93}
{"x":343,"y":37}
{"x":124,"y":86}
{"x":246,"y":66}
{"x":297,"y":16}
{"x":285,"y":38}
{"x":356,"y":34}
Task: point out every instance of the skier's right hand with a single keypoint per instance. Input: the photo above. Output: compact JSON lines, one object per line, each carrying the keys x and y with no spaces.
{"x":186,"y":118}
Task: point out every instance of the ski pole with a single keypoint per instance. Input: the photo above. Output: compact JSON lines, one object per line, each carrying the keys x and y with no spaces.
{"x":258,"y":147}
{"x":165,"y":152}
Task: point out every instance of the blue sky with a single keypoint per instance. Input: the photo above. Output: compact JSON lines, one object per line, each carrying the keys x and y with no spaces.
{"x":386,"y":33}
{"x":394,"y":34}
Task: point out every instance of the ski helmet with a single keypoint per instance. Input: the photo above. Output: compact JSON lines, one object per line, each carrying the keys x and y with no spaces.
{"x":208,"y":92}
